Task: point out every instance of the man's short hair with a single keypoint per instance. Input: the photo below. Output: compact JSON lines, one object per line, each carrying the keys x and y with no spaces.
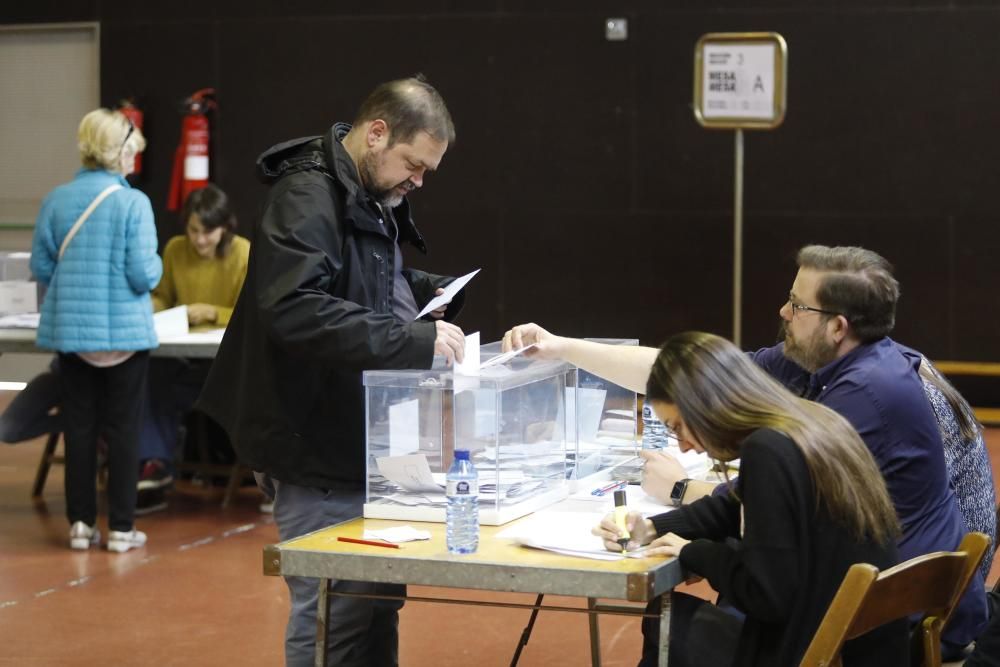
{"x":408,"y":106}
{"x":858,"y":284}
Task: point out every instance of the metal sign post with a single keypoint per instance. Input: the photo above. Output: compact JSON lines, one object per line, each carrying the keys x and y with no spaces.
{"x":740,"y":83}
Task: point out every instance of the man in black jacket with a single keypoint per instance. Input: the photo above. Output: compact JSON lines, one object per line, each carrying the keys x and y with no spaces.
{"x":325,"y":298}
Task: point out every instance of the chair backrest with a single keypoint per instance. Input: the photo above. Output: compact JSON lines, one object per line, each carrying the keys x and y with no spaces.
{"x":867,"y":599}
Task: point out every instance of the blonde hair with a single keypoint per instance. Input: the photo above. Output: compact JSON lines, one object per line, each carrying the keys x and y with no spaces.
{"x":723,"y":397}
{"x":103,"y":137}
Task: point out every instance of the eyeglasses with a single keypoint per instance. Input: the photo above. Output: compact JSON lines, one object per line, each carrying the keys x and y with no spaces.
{"x":128,"y":135}
{"x":799,"y":308}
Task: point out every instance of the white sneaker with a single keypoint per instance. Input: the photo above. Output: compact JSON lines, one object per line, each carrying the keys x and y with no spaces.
{"x":82,"y":536}
{"x":123,"y":541}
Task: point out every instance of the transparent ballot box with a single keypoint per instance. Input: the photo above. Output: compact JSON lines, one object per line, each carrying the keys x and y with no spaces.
{"x":511,"y":417}
{"x":602,"y":427}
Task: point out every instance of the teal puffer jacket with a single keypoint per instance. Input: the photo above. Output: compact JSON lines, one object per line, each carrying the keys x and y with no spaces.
{"x":98,"y":293}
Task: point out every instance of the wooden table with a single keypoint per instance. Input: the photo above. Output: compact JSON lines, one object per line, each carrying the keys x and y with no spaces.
{"x":498,"y":565}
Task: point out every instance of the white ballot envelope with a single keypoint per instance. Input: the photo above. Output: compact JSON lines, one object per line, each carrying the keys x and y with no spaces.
{"x":449,"y":293}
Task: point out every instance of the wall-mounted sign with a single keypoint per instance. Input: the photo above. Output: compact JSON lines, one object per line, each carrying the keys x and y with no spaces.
{"x":740,"y":80}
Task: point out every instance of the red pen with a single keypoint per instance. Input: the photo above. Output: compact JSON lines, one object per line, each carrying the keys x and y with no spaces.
{"x":355,"y":540}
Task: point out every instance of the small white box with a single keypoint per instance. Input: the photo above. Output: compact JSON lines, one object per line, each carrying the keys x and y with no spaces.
{"x":18,"y":296}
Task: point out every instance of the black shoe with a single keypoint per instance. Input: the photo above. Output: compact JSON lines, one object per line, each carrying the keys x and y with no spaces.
{"x":150,"y":501}
{"x":154,"y":475}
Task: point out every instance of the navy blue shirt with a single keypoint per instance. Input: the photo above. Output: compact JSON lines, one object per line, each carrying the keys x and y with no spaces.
{"x":878,"y":389}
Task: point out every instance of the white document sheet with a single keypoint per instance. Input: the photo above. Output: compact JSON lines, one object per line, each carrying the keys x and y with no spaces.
{"x":409,"y":472}
{"x":450,"y":291}
{"x":566,"y":533}
{"x":404,"y":428}
{"x":470,"y":365}
{"x":638,"y":500}
{"x":171,"y":323}
{"x":398,"y":534}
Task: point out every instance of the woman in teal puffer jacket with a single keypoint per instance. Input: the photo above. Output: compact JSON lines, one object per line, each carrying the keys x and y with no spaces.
{"x":97,"y":315}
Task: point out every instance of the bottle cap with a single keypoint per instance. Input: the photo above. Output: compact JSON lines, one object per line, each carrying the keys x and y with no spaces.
{"x":620,"y":498}
{"x":462,"y":454}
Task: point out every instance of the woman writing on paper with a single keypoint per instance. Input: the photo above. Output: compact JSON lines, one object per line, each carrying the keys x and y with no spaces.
{"x":203,"y":269}
{"x":94,"y":247}
{"x":809,"y":503}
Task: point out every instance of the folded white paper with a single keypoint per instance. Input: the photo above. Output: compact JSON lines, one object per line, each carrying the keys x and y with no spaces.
{"x":450,"y":290}
{"x":398,"y":534}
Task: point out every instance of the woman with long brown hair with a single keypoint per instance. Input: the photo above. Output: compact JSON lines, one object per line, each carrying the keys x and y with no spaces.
{"x":809,"y":502}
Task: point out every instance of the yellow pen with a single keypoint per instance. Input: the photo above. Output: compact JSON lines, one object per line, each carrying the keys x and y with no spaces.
{"x":621,"y":514}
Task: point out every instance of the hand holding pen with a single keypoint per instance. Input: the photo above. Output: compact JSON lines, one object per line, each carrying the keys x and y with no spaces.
{"x":640,"y":531}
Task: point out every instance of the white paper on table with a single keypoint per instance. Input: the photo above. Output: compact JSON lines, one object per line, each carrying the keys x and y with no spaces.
{"x":637,"y":500}
{"x":563,"y":532}
{"x":409,"y":472}
{"x":450,"y":290}
{"x":696,"y":464}
{"x":470,"y":365}
{"x":171,"y":323}
{"x":398,"y":534}
{"x":210,"y":336}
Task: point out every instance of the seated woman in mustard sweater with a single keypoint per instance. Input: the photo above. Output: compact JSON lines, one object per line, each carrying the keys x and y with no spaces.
{"x":203,"y":269}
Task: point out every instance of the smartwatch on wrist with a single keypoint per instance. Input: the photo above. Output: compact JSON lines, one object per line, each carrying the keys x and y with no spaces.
{"x":677,"y":493}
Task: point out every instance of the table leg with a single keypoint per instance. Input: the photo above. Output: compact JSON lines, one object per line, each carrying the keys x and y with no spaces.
{"x":595,"y":634}
{"x":322,"y":620}
{"x":665,"y":601}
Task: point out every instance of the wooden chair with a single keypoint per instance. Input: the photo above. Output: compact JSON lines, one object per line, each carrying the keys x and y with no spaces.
{"x":867,"y":599}
{"x":996,"y":584}
{"x":200,"y":433}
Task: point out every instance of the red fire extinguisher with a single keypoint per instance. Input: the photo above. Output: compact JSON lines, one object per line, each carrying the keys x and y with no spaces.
{"x":134,"y":114}
{"x":191,"y":158}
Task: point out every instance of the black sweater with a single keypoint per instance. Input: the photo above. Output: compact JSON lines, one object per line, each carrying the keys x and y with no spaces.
{"x":787,"y":564}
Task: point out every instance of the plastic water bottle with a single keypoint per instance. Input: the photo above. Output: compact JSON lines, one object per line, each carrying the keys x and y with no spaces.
{"x":462,"y":527}
{"x":654,"y":433}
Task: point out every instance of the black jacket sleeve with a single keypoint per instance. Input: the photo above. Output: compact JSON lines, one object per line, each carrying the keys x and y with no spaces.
{"x":298,"y":261}
{"x":714,"y":517}
{"x":760,"y":573}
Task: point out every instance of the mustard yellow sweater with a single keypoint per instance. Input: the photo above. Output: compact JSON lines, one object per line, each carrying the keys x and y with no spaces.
{"x":189,"y":278}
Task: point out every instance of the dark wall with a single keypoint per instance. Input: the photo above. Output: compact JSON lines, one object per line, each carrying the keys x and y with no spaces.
{"x":580,"y":182}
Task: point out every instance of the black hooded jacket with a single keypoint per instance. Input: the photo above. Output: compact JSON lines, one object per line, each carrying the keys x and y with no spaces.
{"x":314,"y":312}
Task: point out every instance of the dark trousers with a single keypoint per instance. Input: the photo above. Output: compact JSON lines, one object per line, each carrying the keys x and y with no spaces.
{"x":173,"y":388}
{"x":700,"y":633}
{"x":987,"y":651}
{"x":30,"y":414}
{"x":363,"y":632}
{"x":106,"y":401}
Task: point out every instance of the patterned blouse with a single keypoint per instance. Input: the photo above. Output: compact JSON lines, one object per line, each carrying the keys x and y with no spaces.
{"x":969,"y":471}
